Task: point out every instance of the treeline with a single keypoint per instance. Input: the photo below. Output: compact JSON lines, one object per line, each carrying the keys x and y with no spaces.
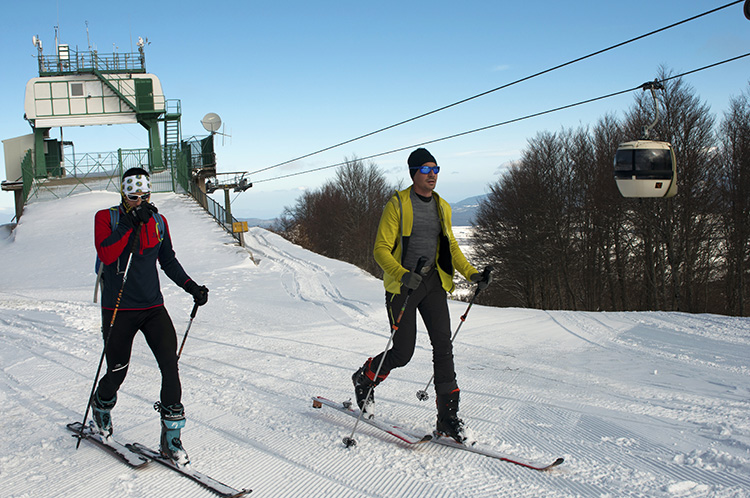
{"x":560,"y":235}
{"x":340,"y":219}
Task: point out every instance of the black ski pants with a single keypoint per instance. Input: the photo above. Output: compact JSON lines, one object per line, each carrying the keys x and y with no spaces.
{"x":431,"y":300}
{"x":160,"y":336}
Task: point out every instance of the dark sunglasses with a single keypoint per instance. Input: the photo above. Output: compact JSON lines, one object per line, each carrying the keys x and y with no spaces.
{"x":135,"y":197}
{"x":426,"y":169}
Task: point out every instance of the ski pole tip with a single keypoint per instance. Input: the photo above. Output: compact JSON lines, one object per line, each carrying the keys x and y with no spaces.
{"x":349,"y":442}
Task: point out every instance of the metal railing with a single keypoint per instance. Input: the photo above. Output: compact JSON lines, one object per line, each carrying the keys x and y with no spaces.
{"x":91,"y":60}
{"x":84,"y":173}
{"x":217,"y":211}
{"x":102,"y":171}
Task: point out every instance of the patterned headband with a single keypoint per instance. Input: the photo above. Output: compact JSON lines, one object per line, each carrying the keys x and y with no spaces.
{"x":136,"y":184}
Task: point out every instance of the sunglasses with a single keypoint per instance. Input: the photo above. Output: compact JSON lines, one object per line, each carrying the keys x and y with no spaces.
{"x":135,"y":197}
{"x":426,"y":169}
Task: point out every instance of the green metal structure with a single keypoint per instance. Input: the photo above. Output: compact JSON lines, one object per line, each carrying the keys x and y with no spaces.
{"x":88,"y":88}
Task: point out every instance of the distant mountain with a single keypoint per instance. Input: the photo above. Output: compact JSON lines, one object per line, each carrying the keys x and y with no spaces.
{"x":464,"y":211}
{"x":257,"y":222}
{"x":463,"y":214}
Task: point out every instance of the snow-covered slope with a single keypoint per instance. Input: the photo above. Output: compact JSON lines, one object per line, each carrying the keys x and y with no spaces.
{"x":639,"y":404}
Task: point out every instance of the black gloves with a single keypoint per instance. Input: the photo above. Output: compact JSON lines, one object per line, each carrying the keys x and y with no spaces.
{"x":411,"y":280}
{"x":199,"y":292}
{"x":140,"y":214}
{"x":482,"y":279}
{"x":137,"y":215}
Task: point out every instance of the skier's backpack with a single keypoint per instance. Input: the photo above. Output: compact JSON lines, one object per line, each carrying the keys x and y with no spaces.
{"x":114,"y":219}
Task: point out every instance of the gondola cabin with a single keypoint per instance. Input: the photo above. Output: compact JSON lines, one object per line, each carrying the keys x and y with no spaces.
{"x":646,"y":168}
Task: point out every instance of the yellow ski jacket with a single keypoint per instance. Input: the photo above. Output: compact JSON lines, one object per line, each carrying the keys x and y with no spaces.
{"x":393,"y":235}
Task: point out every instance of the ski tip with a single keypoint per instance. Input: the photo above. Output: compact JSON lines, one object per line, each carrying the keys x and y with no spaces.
{"x":243,"y":492}
{"x":554,"y":464}
{"x":317,"y":403}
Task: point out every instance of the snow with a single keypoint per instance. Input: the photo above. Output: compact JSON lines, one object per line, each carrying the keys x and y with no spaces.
{"x":639,"y":404}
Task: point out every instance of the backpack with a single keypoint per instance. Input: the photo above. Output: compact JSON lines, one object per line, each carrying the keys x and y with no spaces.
{"x":114,"y":219}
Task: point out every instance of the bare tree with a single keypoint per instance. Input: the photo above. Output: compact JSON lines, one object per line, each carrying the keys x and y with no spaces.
{"x":340,"y":219}
{"x":734,"y":173}
{"x":565,"y":238}
{"x":609,"y":215}
{"x":677,"y":235}
{"x":365,"y":192}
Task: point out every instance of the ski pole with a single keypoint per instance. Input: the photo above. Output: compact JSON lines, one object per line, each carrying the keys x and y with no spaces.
{"x":422,"y":394}
{"x":109,"y":331}
{"x":350,"y":441}
{"x":192,"y":315}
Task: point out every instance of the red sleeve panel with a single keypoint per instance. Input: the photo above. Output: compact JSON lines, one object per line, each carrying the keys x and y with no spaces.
{"x":109,"y":242}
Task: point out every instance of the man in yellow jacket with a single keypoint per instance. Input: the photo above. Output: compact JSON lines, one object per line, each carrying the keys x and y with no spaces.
{"x":416,"y":223}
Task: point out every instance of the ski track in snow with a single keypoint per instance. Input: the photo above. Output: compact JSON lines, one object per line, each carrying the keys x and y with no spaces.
{"x":639,"y":404}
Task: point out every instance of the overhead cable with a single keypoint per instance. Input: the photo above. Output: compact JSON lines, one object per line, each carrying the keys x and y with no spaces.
{"x":515,"y":120}
{"x":598,"y":52}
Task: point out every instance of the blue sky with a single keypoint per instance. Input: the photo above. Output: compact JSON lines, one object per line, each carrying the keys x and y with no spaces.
{"x":289,"y":78}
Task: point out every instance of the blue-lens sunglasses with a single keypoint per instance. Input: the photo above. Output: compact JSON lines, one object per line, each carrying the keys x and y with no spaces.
{"x":426,"y":169}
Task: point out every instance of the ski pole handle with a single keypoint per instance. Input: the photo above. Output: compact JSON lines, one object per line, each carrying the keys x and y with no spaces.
{"x":485,"y":275}
{"x":418,"y":269}
{"x":420,"y":264}
{"x":487,"y":270}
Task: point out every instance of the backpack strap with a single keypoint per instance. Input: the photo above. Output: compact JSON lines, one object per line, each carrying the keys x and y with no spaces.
{"x":161,"y":227}
{"x":114,"y":218}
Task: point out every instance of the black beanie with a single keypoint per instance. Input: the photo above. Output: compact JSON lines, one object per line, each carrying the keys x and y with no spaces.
{"x":418,"y":158}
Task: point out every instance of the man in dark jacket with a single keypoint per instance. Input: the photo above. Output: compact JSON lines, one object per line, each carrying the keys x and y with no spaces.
{"x":135,"y":225}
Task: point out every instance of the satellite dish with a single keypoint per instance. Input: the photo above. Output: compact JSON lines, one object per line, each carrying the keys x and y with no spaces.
{"x":33,"y":40}
{"x":211,"y":122}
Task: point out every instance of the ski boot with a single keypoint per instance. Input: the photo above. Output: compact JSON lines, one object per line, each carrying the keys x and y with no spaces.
{"x":448,"y":423}
{"x":172,"y":421}
{"x":100,"y":413}
{"x":364,"y":388}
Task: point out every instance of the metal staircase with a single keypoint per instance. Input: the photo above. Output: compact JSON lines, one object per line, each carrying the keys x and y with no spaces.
{"x":128,"y":100}
{"x":172,"y":132}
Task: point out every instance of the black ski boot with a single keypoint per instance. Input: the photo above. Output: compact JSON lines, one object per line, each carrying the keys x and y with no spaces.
{"x":100,"y":413}
{"x":364,"y":385}
{"x":172,"y":421}
{"x":448,"y":423}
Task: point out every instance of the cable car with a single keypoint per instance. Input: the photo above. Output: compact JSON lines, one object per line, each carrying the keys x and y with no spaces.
{"x":646,"y":168}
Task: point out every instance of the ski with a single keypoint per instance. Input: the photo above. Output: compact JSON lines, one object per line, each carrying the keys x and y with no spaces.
{"x":132,"y":458}
{"x":393,"y":430}
{"x":447,"y":441}
{"x":210,"y":483}
{"x":411,"y":438}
